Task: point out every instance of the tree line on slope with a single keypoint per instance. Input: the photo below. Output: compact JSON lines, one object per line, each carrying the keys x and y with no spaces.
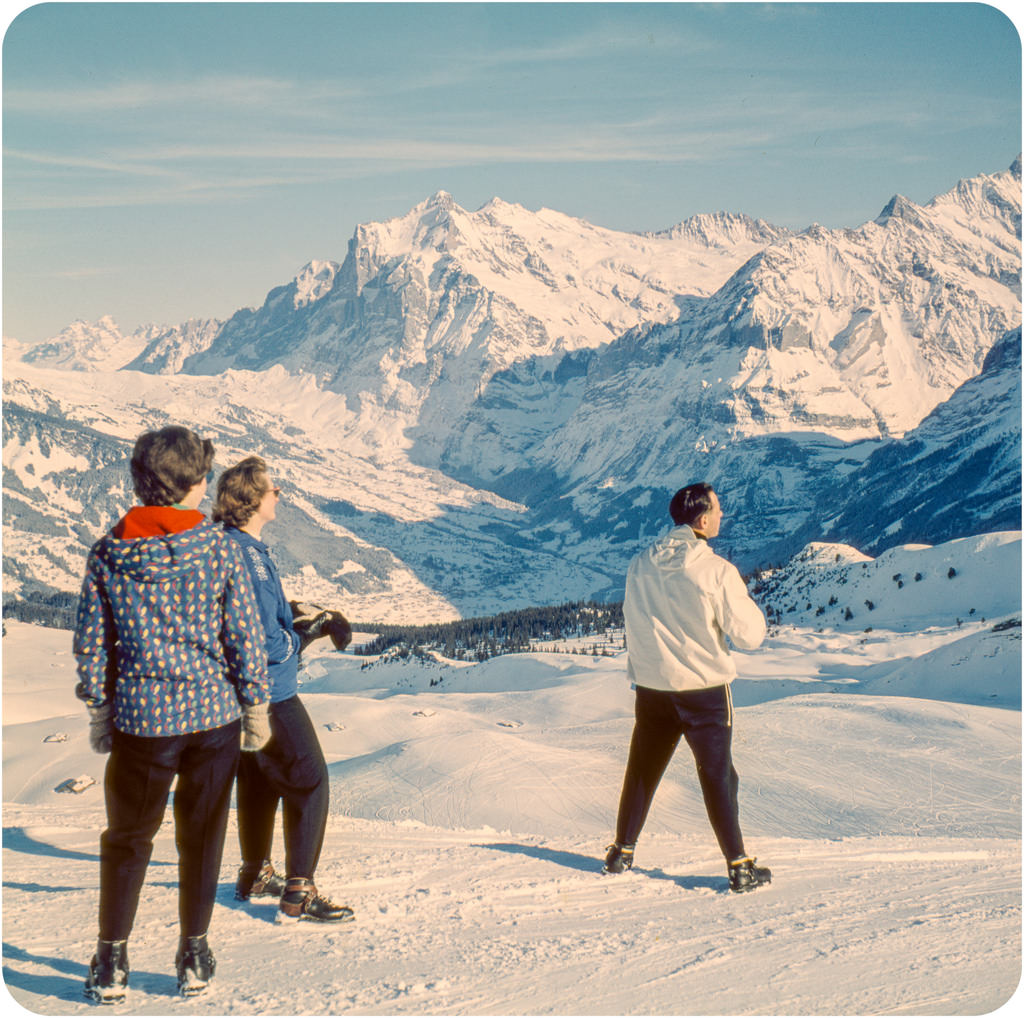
{"x":56,"y":610}
{"x":475,"y":639}
{"x":488,"y":636}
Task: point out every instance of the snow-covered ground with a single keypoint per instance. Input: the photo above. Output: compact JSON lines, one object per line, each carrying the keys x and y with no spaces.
{"x":471,"y":805}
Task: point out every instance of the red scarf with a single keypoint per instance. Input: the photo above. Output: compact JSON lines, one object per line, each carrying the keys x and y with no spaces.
{"x":156,"y":521}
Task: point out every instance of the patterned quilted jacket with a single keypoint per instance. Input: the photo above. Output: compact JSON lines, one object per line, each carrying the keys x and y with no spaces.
{"x":168,"y":626}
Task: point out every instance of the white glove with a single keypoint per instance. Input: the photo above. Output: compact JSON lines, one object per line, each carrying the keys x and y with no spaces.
{"x":255,"y":726}
{"x":101,"y":728}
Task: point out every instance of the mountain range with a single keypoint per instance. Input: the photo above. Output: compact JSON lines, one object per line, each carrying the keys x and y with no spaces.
{"x":482,"y":410}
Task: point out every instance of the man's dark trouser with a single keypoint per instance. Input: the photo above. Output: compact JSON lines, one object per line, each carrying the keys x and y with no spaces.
{"x":290,"y":768}
{"x":704,"y":717}
{"x":137,"y":784}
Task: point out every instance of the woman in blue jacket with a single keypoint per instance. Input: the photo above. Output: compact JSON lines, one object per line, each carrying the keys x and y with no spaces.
{"x":290,"y":768}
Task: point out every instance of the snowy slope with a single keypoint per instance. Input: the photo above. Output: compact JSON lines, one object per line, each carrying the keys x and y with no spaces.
{"x":880,"y":779}
{"x":970,"y":578}
{"x":386,"y":541}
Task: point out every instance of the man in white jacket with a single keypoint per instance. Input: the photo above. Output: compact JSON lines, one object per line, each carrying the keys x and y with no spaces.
{"x":682,"y":602}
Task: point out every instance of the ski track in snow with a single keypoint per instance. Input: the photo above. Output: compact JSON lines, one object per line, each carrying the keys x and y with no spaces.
{"x":481,"y":923}
{"x":469,"y":823}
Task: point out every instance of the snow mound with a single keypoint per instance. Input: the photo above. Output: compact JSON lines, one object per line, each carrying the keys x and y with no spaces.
{"x":982,"y":667}
{"x":906,"y":587}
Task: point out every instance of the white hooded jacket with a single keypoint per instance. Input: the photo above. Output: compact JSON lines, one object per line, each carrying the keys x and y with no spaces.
{"x":682,"y":601}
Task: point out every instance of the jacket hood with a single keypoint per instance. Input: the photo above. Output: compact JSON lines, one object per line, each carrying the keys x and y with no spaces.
{"x":680,"y":544}
{"x":160,"y":558}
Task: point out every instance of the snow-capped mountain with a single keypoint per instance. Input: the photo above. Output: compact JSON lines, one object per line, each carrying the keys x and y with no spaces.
{"x":428,"y":307}
{"x":496,"y":405}
{"x":849,"y":333}
{"x":854,"y":332}
{"x":84,"y":346}
{"x":102,"y":346}
{"x":166,"y":352}
{"x":823,"y":339}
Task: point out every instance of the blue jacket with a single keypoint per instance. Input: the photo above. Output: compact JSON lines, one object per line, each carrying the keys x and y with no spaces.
{"x":282,"y":641}
{"x":168,"y":628}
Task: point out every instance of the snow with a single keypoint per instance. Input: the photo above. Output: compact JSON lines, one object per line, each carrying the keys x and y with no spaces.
{"x":256,"y":410}
{"x":86,"y":346}
{"x":314,"y":282}
{"x":31,"y":464}
{"x":471,"y":805}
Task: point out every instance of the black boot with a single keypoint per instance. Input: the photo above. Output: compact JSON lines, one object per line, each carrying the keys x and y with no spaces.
{"x":745,"y":876}
{"x":107,"y":982}
{"x":195,"y":964}
{"x":301,"y":901}
{"x":259,"y":881}
{"x":619,"y":858}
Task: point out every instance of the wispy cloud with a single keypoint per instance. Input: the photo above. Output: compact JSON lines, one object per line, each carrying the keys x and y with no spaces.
{"x":552,"y":100}
{"x":220,"y":163}
{"x":85,"y":272}
{"x":254,"y":94}
{"x":70,"y":161}
{"x":300,"y":96}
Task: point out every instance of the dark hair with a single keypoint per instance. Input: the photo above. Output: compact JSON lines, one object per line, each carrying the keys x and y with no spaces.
{"x":168,"y":463}
{"x":239,"y":491}
{"x":689,"y":504}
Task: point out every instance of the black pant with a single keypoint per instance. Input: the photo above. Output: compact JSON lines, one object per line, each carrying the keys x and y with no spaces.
{"x":137,"y":784}
{"x":289,"y":769}
{"x":704,"y":717}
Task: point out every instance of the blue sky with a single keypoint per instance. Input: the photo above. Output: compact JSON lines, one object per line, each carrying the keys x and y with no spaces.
{"x":166,"y":161}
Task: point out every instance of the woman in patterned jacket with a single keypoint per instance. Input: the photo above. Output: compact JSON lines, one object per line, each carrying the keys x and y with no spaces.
{"x":170,"y":655}
{"x":290,"y":769}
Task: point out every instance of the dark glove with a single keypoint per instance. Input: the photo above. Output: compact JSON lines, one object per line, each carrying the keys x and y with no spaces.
{"x":311,"y":622}
{"x":101,"y":728}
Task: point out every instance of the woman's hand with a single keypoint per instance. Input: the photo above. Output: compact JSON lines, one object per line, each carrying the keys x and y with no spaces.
{"x":255,"y":726}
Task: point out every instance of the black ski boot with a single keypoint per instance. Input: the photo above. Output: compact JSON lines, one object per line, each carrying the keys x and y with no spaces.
{"x":302,"y":901}
{"x":107,"y":982}
{"x":745,"y":876}
{"x":259,"y":881}
{"x":619,"y":858}
{"x":195,"y":964}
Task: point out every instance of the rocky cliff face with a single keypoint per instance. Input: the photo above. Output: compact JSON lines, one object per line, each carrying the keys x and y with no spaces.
{"x":957,"y":473}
